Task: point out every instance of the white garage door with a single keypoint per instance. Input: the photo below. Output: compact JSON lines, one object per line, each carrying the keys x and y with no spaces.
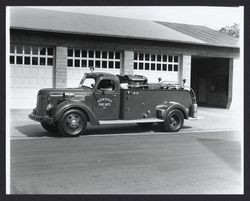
{"x":154,"y":66}
{"x":79,"y":62}
{"x":31,"y":69}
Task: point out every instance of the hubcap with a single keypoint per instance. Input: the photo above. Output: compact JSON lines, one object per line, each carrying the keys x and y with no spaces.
{"x":74,"y":121}
{"x":175,"y":121}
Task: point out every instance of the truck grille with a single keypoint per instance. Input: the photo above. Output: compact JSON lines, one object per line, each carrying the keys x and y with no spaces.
{"x":41,"y":105}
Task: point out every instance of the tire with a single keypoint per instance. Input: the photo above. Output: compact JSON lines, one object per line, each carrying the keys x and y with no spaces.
{"x":72,"y":123}
{"x":49,"y":127}
{"x":173,"y":121}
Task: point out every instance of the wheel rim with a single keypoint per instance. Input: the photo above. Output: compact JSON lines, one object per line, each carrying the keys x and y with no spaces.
{"x":175,"y":121}
{"x":73,"y":124}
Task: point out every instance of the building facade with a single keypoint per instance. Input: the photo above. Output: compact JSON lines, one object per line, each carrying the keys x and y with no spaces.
{"x":52,"y":49}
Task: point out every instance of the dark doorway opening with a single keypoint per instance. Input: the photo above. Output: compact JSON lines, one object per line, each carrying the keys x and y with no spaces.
{"x":209,"y":80}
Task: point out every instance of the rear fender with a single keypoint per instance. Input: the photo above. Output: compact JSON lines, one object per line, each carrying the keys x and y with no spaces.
{"x":62,"y":107}
{"x":164,"y":109}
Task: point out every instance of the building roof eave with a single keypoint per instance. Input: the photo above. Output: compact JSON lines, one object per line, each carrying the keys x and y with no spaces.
{"x":122,"y":37}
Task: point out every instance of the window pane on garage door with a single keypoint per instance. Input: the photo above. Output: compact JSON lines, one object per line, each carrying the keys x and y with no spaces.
{"x":154,"y":66}
{"x":31,"y":69}
{"x":80,"y":61}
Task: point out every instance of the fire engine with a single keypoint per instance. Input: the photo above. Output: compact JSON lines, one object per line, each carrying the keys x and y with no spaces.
{"x":104,"y":98}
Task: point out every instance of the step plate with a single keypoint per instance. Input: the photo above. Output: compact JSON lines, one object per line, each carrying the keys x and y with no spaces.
{"x":134,"y":121}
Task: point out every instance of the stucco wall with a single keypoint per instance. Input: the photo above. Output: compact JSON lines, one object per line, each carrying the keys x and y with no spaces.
{"x":237,"y":84}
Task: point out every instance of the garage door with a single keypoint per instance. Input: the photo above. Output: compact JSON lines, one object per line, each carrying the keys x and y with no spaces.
{"x":79,"y":62}
{"x":31,"y":69}
{"x":154,"y":66}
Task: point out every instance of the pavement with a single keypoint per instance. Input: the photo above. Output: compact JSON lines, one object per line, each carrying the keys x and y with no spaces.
{"x":197,"y":163}
{"x":205,"y":157}
{"x":209,"y":120}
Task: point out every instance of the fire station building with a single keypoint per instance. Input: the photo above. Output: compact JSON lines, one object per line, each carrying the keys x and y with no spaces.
{"x":54,"y":49}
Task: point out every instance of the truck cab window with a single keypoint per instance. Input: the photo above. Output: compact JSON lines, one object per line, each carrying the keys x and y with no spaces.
{"x":87,"y":82}
{"x":106,"y":85}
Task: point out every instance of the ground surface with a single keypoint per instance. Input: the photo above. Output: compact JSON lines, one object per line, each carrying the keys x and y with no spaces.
{"x":204,"y":158}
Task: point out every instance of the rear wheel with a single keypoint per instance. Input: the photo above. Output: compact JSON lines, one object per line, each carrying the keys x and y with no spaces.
{"x":173,"y":121}
{"x":49,"y":127}
{"x":72,"y":123}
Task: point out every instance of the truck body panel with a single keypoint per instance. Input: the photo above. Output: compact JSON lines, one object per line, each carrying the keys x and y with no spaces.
{"x":141,"y":103}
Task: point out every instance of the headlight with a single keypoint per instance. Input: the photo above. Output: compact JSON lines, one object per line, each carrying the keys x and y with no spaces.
{"x":50,"y":107}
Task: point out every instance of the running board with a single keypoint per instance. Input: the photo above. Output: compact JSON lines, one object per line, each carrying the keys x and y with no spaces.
{"x":134,"y":121}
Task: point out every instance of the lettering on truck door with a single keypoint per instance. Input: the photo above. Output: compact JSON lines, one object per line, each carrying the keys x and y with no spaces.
{"x":106,"y":100}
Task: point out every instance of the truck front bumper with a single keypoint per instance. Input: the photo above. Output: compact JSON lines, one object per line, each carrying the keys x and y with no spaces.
{"x":41,"y":118}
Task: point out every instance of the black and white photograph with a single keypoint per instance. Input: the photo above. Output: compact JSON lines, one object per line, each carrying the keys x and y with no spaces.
{"x":125,"y":100}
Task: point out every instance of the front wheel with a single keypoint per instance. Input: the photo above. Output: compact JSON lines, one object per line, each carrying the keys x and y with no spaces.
{"x":173,"y":121}
{"x":72,"y":123}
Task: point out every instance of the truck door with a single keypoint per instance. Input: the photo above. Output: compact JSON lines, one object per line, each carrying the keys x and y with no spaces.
{"x":106,"y":104}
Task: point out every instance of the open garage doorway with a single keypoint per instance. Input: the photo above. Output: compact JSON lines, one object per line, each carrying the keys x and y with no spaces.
{"x":210,"y":81}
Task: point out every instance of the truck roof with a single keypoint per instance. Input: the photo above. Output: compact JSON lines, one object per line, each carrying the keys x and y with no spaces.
{"x":99,"y":74}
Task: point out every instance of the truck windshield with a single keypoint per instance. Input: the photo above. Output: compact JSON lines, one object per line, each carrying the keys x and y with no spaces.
{"x":87,"y":82}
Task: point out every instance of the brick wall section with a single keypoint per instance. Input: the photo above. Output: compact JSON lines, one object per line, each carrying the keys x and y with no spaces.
{"x":60,"y":69}
{"x":127,"y":66}
{"x":185,"y":70}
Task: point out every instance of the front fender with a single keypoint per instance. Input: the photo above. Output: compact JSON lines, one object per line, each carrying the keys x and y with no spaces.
{"x":62,"y":107}
{"x":163,"y":110}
